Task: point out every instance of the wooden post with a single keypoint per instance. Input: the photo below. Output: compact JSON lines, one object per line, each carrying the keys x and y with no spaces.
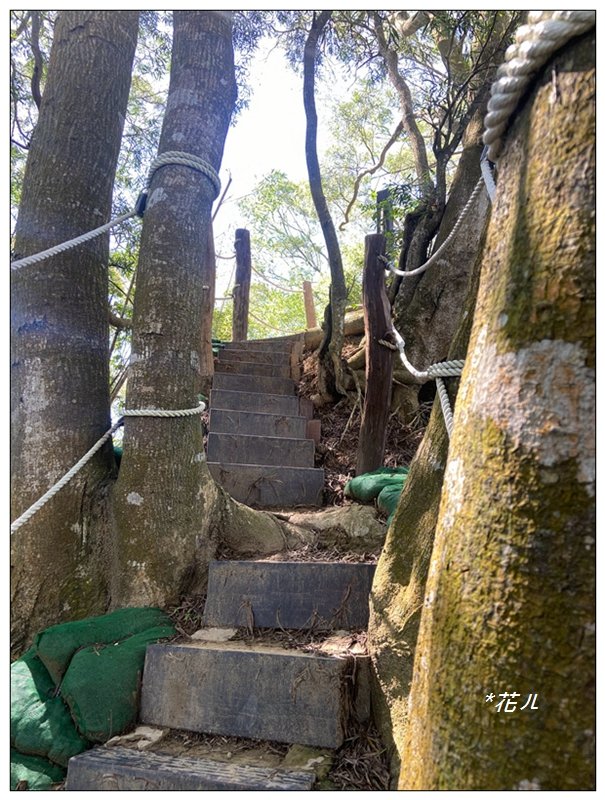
{"x":309,"y":305}
{"x":241,"y":290}
{"x":384,"y":215}
{"x":379,"y":359}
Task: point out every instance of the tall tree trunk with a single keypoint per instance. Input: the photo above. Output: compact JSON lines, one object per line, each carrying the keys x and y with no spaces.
{"x":330,"y":370}
{"x":427,"y":311}
{"x":59,"y":327}
{"x":208,"y":295}
{"x":509,"y":604}
{"x":399,"y":582}
{"x":159,"y":499}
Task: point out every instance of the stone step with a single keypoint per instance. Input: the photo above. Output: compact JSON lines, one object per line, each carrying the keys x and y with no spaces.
{"x":257,"y":423}
{"x":270,"y":487}
{"x":288,"y":594}
{"x":278,"y":357}
{"x":236,"y":448}
{"x":253,"y":401}
{"x":254,"y":383}
{"x":253,"y":368}
{"x":122,"y":768}
{"x":260,"y":692}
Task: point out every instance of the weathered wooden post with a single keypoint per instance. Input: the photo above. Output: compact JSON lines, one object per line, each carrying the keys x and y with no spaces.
{"x":379,"y":358}
{"x":384,"y":211}
{"x":241,"y":289}
{"x":309,"y":305}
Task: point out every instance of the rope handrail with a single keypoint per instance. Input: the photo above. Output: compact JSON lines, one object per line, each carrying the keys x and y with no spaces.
{"x":163,"y":160}
{"x":452,"y":234}
{"x":139,"y":412}
{"x":438,"y":371}
{"x":545,"y":33}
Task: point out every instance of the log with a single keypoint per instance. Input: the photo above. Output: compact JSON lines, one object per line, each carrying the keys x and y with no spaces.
{"x":379,"y":359}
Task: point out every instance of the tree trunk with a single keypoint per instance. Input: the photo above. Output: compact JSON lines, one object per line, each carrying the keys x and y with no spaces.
{"x":398,"y":587}
{"x":428,"y":307}
{"x":330,"y":370}
{"x":509,"y":604}
{"x":160,"y":499}
{"x":209,"y":293}
{"x":59,"y":328}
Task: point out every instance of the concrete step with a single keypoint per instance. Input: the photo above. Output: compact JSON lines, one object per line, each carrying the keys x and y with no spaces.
{"x":254,"y":383}
{"x":236,"y":448}
{"x":234,"y":689}
{"x":253,"y":368}
{"x":122,"y":768}
{"x":257,"y":423}
{"x":279,"y":357}
{"x":288,"y":594}
{"x":270,"y":487}
{"x":253,"y":401}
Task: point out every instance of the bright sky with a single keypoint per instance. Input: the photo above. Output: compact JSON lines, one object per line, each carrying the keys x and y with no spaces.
{"x":269,"y":134}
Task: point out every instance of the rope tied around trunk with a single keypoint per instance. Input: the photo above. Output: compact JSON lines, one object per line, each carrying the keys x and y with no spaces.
{"x":139,"y":412}
{"x":173,"y":157}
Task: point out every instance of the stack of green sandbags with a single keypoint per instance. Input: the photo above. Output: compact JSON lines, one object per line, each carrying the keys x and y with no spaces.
{"x":78,"y":684}
{"x":383,"y":485}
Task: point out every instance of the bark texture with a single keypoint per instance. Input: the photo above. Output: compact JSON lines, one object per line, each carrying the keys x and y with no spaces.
{"x":209,"y":293}
{"x":509,"y":604}
{"x":400,"y":579}
{"x":427,"y":312}
{"x":59,"y":326}
{"x":160,"y":497}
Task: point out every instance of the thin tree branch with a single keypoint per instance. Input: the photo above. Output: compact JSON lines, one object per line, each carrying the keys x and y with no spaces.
{"x":394,"y":136}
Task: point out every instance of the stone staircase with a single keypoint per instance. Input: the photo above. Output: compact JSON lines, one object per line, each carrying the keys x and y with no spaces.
{"x":249,"y":687}
{"x":223,"y":681}
{"x":260,"y":441}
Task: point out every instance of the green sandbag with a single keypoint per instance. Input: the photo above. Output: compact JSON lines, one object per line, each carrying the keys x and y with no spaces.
{"x":39,"y":773}
{"x":388,"y":500}
{"x":56,"y":645}
{"x":368,"y":486}
{"x":41,"y":724}
{"x":101,"y":685}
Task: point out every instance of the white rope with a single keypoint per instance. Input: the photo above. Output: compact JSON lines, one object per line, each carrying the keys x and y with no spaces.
{"x":437,"y":254}
{"x":60,"y":248}
{"x":488,"y":175}
{"x":163,"y":160}
{"x":545,"y":33}
{"x":446,"y":408}
{"x":160,"y":412}
{"x":186,"y":160}
{"x":141,"y":412}
{"x":443,"y":369}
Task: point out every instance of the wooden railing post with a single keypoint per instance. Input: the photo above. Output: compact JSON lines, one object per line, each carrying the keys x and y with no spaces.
{"x":309,"y":305}
{"x":379,"y":359}
{"x":241,"y":289}
{"x":384,"y":212}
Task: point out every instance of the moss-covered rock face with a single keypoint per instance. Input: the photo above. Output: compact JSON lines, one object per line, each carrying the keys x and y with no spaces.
{"x":509,"y":603}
